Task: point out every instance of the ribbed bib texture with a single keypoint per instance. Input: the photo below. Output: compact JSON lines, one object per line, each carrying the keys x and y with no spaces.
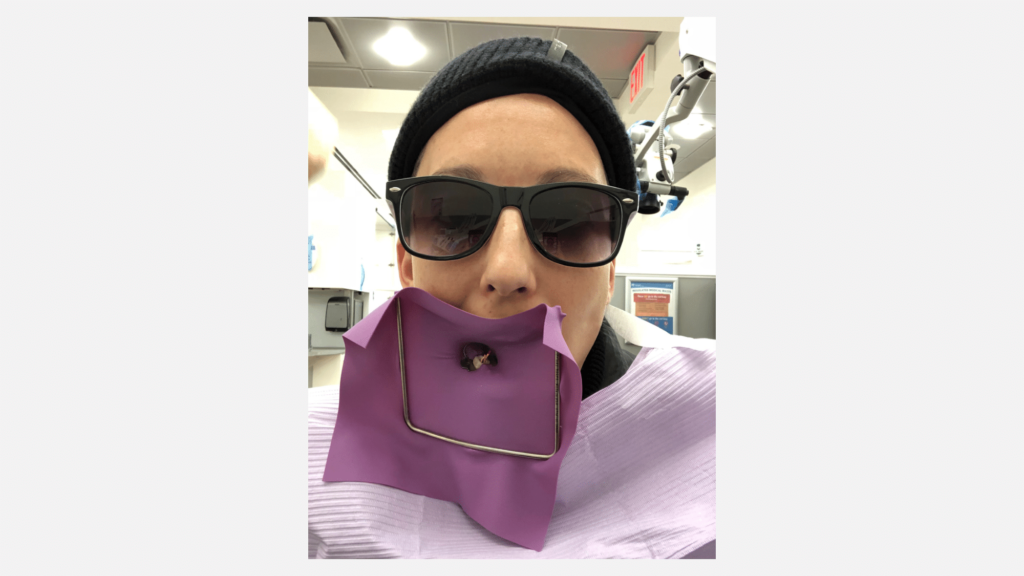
{"x":638,"y":480}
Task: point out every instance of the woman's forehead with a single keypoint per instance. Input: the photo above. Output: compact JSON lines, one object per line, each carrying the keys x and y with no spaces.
{"x":522,"y":138}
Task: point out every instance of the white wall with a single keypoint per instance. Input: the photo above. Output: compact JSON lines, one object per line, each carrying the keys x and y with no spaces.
{"x":361,"y":117}
{"x":342,"y":219}
{"x":656,"y":244}
{"x":385,"y":277}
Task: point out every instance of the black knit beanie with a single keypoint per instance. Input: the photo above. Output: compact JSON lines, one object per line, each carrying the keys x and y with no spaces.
{"x":517,"y":66}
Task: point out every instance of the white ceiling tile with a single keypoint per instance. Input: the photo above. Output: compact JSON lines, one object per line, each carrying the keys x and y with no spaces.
{"x":467,"y":35}
{"x":614,"y":87}
{"x":322,"y":46}
{"x":654,"y":24}
{"x":706,"y":152}
{"x":697,"y":158}
{"x":342,"y":40}
{"x":608,"y":53}
{"x":336,"y":77}
{"x":682,"y":172}
{"x":398,"y":80}
{"x":365,"y":31}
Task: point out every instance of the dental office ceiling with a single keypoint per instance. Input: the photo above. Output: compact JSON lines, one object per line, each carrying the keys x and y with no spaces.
{"x":370,"y":96}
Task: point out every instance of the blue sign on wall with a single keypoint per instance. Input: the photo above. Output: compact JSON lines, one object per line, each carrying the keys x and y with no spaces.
{"x":664,"y":285}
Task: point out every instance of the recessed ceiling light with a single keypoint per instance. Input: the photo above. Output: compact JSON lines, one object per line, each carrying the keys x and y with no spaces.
{"x":399,"y":47}
{"x":390,"y":136}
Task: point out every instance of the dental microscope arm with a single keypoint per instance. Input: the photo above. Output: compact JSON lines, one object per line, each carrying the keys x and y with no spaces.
{"x":697,"y":55}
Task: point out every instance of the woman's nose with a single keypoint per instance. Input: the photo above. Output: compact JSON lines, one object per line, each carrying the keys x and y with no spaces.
{"x":509,"y":256}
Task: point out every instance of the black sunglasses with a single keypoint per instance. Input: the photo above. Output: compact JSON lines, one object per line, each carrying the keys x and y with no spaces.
{"x":573,"y":223}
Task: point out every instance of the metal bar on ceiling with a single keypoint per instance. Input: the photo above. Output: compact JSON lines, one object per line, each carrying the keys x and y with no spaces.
{"x":335,"y":33}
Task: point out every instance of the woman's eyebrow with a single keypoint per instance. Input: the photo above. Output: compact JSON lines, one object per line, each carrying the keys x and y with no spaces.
{"x":549,"y":177}
{"x":462,"y":171}
{"x":566,"y":175}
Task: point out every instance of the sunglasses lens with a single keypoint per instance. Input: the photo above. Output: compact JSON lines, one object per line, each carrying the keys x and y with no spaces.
{"x":445,"y":218}
{"x":577,"y":225}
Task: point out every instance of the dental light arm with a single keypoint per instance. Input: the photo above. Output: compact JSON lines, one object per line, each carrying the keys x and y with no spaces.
{"x":697,"y":55}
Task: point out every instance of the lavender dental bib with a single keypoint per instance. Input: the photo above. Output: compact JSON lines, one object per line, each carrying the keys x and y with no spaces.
{"x":638,"y":480}
{"x":507,"y":405}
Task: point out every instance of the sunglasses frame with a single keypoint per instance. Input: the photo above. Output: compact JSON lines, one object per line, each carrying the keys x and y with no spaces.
{"x":516,"y":197}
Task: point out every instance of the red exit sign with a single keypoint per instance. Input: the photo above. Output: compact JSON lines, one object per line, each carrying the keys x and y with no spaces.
{"x":641,"y":78}
{"x":636,"y":79}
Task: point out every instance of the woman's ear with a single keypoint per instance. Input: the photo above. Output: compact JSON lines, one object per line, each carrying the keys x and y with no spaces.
{"x":404,"y":260}
{"x":611,"y":282}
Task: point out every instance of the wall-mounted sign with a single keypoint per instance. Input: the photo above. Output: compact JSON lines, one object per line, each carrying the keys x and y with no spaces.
{"x":641,"y":79}
{"x":653,"y":300}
